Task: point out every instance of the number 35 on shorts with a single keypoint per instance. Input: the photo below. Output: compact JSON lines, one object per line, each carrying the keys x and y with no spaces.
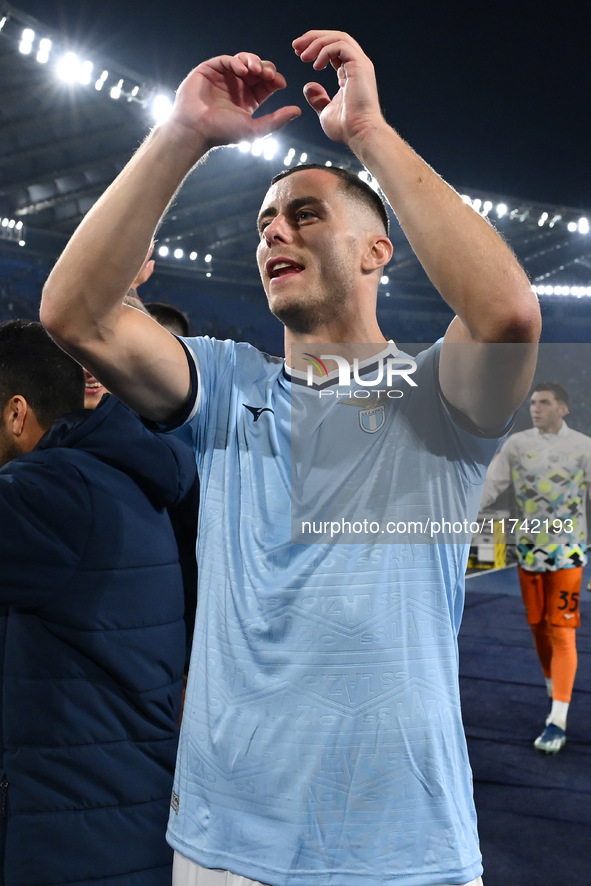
{"x":569,"y":601}
{"x":565,"y":609}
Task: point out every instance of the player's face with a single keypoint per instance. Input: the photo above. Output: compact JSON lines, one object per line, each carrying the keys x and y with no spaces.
{"x":93,"y":391}
{"x":546,"y":411}
{"x":309,"y":249}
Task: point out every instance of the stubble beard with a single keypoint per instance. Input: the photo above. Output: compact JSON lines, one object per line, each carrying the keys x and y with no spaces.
{"x":306,"y":314}
{"x":303,"y":318}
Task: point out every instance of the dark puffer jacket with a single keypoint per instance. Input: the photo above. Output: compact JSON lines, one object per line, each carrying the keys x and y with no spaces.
{"x":92,"y":648}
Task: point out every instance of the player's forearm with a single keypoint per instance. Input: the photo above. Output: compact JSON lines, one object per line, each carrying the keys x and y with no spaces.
{"x":105,"y":253}
{"x":498,"y":476}
{"x":466,"y":260}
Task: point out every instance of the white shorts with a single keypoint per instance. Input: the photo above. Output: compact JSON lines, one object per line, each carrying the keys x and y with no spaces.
{"x":187,"y":873}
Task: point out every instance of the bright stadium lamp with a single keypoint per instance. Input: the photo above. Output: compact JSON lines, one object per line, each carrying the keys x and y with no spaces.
{"x":26,"y":44}
{"x":68,"y":67}
{"x":43,"y":51}
{"x":161,"y":107}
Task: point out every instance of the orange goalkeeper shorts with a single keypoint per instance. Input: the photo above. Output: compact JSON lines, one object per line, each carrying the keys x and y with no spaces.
{"x":552,"y":596}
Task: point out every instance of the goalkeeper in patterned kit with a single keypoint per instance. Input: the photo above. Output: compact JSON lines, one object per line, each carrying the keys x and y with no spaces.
{"x":549,"y":467}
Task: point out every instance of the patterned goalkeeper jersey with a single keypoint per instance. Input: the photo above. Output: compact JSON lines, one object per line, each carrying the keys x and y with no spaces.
{"x":549,"y":474}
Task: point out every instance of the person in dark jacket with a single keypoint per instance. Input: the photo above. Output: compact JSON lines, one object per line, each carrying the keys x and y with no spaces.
{"x":92,"y":634}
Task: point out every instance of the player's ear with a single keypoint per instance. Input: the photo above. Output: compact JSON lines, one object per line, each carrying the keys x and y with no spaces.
{"x":378,"y":253}
{"x":15,"y":415}
{"x":21,"y":424}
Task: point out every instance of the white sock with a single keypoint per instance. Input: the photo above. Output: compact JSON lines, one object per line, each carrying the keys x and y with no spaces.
{"x":558,"y":714}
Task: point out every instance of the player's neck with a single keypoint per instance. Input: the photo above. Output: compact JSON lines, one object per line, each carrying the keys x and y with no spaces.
{"x":299,"y":354}
{"x":552,"y":429}
{"x":336,"y":335}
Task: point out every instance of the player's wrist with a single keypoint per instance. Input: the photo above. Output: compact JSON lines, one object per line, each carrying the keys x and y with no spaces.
{"x":367,"y":139}
{"x":181,"y":141}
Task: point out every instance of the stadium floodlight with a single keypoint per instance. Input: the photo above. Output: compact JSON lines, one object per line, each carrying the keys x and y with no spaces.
{"x":101,"y":81}
{"x":265,"y":147}
{"x":384,"y":280}
{"x":303,"y":158}
{"x":26,"y":45}
{"x":288,"y":159}
{"x":193,"y":256}
{"x":115,"y":92}
{"x":368,"y":178}
{"x":208,"y":258}
{"x":85,"y":72}
{"x":270,"y":147}
{"x":161,"y":107}
{"x":68,"y":67}
{"x":13,"y":230}
{"x":572,"y":226}
{"x":43,"y":51}
{"x":178,"y":253}
{"x":163,"y":251}
{"x":502,"y":210}
{"x":583,"y":226}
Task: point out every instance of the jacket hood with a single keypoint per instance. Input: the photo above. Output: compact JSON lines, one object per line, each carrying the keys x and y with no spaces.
{"x":161,"y":465}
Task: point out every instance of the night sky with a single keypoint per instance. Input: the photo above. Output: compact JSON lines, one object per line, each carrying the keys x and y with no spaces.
{"x":494,"y":95}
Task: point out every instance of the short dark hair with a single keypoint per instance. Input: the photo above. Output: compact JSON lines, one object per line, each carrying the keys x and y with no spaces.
{"x":352,"y":184}
{"x":557,"y":389}
{"x":32,"y":365}
{"x":168,"y":315}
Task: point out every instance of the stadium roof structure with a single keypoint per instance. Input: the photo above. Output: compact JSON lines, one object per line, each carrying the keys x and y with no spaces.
{"x":70,"y":121}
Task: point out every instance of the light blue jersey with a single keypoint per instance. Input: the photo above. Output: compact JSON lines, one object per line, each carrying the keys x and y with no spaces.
{"x":322,"y":740}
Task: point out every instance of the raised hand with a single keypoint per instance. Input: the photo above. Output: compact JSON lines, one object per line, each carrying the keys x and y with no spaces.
{"x":355,"y":108}
{"x":218,"y":98}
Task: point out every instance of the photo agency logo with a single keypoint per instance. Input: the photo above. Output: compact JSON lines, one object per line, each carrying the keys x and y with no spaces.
{"x":389,"y":371}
